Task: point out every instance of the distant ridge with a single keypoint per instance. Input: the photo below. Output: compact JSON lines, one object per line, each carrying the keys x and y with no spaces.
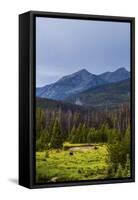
{"x":116,"y":76}
{"x":80,"y":81}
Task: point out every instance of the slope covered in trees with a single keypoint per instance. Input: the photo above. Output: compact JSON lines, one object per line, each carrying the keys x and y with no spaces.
{"x":109,"y":95}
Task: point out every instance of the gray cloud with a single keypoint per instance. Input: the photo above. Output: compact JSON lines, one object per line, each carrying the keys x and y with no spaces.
{"x":64,"y":46}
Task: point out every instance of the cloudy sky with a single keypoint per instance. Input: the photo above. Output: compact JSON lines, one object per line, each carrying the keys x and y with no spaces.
{"x":64,"y":46}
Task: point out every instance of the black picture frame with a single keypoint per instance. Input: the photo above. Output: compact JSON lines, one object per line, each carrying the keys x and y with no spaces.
{"x":27,"y":97}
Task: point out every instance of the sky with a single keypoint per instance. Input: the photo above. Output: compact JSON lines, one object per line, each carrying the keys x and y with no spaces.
{"x":65,"y":46}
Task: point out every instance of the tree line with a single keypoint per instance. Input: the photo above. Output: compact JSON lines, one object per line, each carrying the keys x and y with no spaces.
{"x":117,"y":118}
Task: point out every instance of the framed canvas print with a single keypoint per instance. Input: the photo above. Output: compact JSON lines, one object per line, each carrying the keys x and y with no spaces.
{"x":76,"y":99}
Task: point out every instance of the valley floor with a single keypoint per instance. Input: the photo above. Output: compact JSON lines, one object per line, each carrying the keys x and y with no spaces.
{"x":73,"y":164}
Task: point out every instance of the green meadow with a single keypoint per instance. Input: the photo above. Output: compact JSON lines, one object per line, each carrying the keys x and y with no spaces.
{"x":82,"y":163}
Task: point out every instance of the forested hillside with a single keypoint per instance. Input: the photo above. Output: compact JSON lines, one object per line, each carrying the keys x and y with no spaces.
{"x":108,"y":95}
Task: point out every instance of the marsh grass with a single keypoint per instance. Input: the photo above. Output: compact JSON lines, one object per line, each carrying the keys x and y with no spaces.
{"x":60,"y":166}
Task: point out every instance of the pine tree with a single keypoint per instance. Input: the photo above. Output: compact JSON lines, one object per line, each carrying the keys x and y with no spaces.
{"x":56,"y":139}
{"x":72,"y":133}
{"x":127,"y":140}
{"x":92,"y":136}
{"x":84,"y":132}
{"x":127,"y":168}
{"x":119,"y":173}
{"x":42,"y":142}
{"x":40,"y":121}
{"x":76,"y":134}
{"x":103,"y":133}
{"x":81,"y":133}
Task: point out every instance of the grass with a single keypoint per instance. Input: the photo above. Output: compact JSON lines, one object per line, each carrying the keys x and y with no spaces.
{"x":60,"y":166}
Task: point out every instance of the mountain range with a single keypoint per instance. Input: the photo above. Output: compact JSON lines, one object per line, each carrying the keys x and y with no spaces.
{"x":82,"y":87}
